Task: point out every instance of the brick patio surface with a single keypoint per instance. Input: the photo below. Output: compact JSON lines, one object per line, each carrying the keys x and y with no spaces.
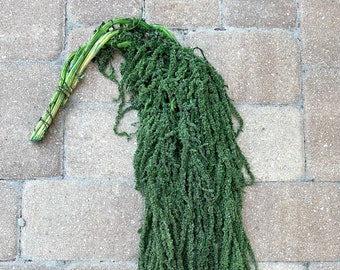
{"x":69,"y":203}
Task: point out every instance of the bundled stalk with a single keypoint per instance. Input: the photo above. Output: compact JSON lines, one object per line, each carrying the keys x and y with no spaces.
{"x":187,"y":165}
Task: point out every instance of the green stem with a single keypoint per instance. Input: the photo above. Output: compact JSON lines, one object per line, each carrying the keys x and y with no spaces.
{"x":70,"y":77}
{"x":78,"y":61}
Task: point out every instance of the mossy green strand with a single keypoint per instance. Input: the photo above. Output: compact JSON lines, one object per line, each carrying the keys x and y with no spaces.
{"x":187,"y":165}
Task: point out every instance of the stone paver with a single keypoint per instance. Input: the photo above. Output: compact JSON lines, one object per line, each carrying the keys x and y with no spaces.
{"x":8,"y":222}
{"x":324,"y":266}
{"x":183,"y":14}
{"x":322,"y":112}
{"x":281,"y":266}
{"x":293,"y":222}
{"x":103,"y":266}
{"x":259,"y":67}
{"x":320,"y":24}
{"x":95,"y":12}
{"x":31,"y":29}
{"x":25,"y":93}
{"x":95,"y":87}
{"x":77,"y":220}
{"x":78,"y":37}
{"x":26,"y":266}
{"x":261,"y":13}
{"x":92,"y":149}
{"x":272,"y":141}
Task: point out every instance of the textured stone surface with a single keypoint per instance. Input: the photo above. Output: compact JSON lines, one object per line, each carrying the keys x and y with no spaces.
{"x":272,"y":141}
{"x":177,"y":13}
{"x":259,"y":67}
{"x":25,"y":94}
{"x":320,"y":24}
{"x":78,"y":37}
{"x":26,"y":266}
{"x":95,"y":12}
{"x":31,"y":29}
{"x":92,"y":149}
{"x":261,"y":13}
{"x":281,"y":266}
{"x":8,"y":222}
{"x":322,"y":112}
{"x":103,"y":266}
{"x":70,"y":220}
{"x":324,"y":266}
{"x":293,"y":221}
{"x":94,"y":87}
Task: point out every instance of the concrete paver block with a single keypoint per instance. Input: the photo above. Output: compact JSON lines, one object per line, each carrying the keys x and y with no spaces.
{"x":261,"y":13}
{"x":324,"y":266}
{"x":272,"y":141}
{"x":177,"y":13}
{"x":25,"y":266}
{"x":32,"y":29}
{"x":320,"y":24}
{"x":281,"y":266}
{"x":322,"y":113}
{"x":8,"y":222}
{"x":103,"y":266}
{"x":95,"y":87}
{"x":25,"y":94}
{"x":293,"y":221}
{"x":95,"y":12}
{"x":92,"y":149}
{"x":78,"y":37}
{"x":79,"y":220}
{"x":259,"y":67}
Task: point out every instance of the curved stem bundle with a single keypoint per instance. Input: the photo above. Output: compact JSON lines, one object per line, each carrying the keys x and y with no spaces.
{"x":77,"y":62}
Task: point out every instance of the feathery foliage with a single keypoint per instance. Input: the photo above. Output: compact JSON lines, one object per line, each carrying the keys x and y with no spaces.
{"x":187,"y":165}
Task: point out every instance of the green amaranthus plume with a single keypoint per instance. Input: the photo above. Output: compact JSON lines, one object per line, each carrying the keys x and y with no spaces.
{"x":187,"y":165}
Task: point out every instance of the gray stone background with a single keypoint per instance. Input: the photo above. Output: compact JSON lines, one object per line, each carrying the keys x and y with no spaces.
{"x":69,"y":202}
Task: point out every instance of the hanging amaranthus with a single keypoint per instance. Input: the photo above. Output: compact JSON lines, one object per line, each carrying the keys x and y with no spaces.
{"x":187,"y":165}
